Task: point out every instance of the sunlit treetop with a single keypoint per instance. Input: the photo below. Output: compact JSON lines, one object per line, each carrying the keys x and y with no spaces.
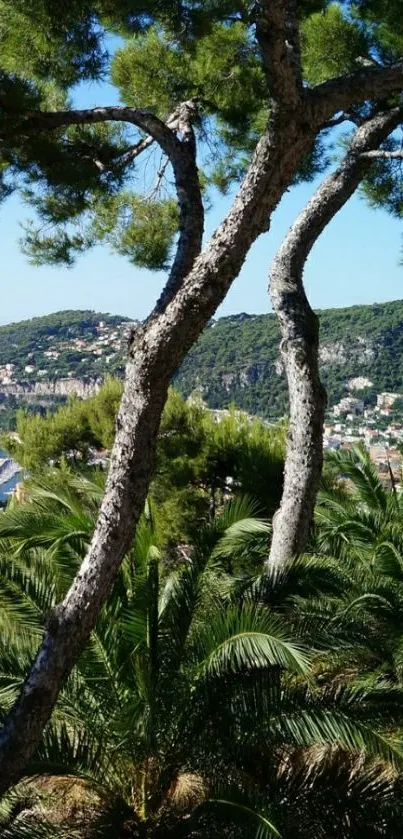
{"x":81,"y":180}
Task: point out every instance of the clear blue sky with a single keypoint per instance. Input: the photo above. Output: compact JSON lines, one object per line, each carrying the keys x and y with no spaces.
{"x":355,"y":261}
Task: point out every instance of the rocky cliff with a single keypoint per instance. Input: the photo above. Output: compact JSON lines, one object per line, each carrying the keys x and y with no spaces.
{"x":58,"y":387}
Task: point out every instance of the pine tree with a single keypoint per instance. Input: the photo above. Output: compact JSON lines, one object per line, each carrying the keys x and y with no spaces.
{"x":216,"y":91}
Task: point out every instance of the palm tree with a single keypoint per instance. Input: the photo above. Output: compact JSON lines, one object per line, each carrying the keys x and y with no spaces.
{"x":360,"y":523}
{"x":197,"y":708}
{"x":325,"y":604}
{"x":357,"y":512}
{"x":146,"y":718}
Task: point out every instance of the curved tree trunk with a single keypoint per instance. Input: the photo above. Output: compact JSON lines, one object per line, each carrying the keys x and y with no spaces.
{"x":158,"y":349}
{"x":303,"y":465}
{"x":300,"y":341}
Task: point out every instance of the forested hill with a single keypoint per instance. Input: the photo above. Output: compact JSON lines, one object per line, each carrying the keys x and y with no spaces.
{"x":236,"y":360}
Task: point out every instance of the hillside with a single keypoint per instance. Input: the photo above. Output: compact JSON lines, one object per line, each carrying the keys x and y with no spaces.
{"x":236,"y":360}
{"x":78,"y":343}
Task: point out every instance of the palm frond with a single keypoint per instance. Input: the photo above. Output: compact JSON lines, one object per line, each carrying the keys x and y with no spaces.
{"x":388,"y":560}
{"x":248,"y":537}
{"x":304,"y":729}
{"x":246,"y":639}
{"x":357,"y":466}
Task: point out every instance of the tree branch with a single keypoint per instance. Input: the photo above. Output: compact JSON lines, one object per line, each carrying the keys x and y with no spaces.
{"x":191,"y":221}
{"x":336,"y":120}
{"x":159,"y":179}
{"x":182,"y":156}
{"x":161,"y":132}
{"x":131,"y":154}
{"x":300,"y":339}
{"x":380,"y":154}
{"x":319,"y":104}
{"x":342,"y":93}
{"x":277,"y":33}
{"x":175,"y":122}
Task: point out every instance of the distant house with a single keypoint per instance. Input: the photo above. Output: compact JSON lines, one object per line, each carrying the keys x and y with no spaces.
{"x":359,"y":383}
{"x":349,"y":405}
{"x":385,"y":400}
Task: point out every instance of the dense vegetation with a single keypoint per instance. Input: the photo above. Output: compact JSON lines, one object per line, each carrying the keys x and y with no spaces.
{"x":236,"y":360}
{"x":213,"y":702}
{"x":70,"y":430}
{"x":199,"y":460}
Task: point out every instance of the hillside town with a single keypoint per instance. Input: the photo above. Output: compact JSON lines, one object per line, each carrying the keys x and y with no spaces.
{"x":376,"y":422}
{"x":72,"y":356}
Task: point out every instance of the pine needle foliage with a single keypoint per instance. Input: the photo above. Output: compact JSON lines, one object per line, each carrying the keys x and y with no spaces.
{"x":79,"y":181}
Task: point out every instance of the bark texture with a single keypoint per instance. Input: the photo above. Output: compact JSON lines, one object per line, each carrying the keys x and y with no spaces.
{"x":197,"y":285}
{"x":300,"y":342}
{"x":277,"y":32}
